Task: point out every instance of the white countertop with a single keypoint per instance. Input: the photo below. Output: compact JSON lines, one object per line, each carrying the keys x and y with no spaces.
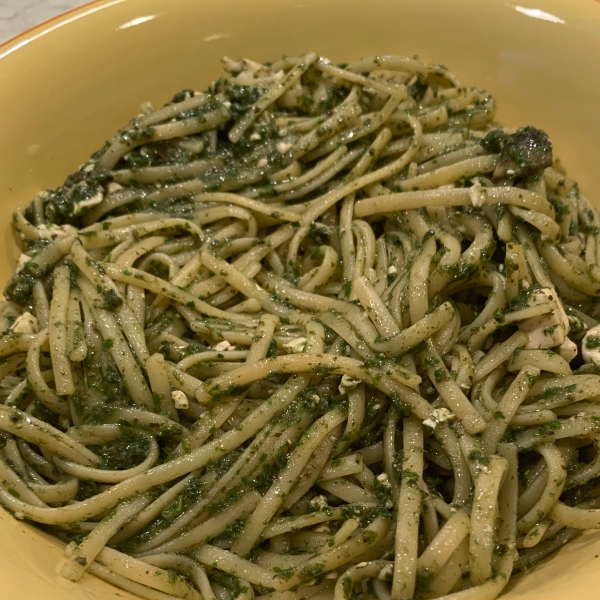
{"x":17,"y":16}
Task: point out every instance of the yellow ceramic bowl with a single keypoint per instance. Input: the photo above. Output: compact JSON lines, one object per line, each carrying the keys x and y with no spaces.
{"x":70,"y":83}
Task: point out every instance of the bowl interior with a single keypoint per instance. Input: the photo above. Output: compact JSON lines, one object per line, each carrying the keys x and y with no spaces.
{"x":69,"y":84}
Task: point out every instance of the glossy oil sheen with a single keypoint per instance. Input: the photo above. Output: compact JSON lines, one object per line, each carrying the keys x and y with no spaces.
{"x":69,"y":84}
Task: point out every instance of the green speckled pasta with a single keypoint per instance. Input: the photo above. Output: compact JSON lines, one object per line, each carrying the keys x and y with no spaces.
{"x":316,"y":332}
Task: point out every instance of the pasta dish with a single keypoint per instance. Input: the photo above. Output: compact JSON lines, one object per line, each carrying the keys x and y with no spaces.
{"x":316,"y":332}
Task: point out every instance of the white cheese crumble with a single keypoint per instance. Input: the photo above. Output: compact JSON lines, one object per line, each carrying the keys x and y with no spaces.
{"x":283,"y":147}
{"x":549,"y":329}
{"x":440,"y":415}
{"x":477,"y":195}
{"x":392,"y":270}
{"x":21,"y":262}
{"x":591,"y":352}
{"x":384,"y":480}
{"x":53,"y":231}
{"x":255,"y":137}
{"x":324,"y":528}
{"x":263,"y":162}
{"x":318,"y":502}
{"x":296,"y":345}
{"x":224,"y":346}
{"x":25,"y":323}
{"x":10,"y":381}
{"x":93,"y":201}
{"x":180,"y":399}
{"x":113,"y":186}
{"x":348,"y":384}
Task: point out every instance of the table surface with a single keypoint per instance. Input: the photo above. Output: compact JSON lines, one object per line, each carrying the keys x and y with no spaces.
{"x":17,"y":16}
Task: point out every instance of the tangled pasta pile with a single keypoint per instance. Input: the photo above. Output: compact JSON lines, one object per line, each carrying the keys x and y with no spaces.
{"x":319,"y":331}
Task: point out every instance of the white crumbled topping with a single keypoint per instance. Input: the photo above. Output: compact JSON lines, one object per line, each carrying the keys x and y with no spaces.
{"x":226,"y":104}
{"x":384,"y":480}
{"x":440,"y":415}
{"x":324,"y":60}
{"x":348,"y":384}
{"x":255,"y":137}
{"x":315,"y":398}
{"x":591,"y":354}
{"x":576,"y":323}
{"x":180,"y":399}
{"x":53,"y":231}
{"x":549,"y":329}
{"x":501,"y":268}
{"x":477,"y":195}
{"x":443,"y":414}
{"x":318,"y":502}
{"x":10,"y":381}
{"x":296,"y":345}
{"x":392,"y":270}
{"x":386,"y":572}
{"x":21,"y":262}
{"x":283,"y":132}
{"x":147,"y":107}
{"x":568,"y":350}
{"x":283,"y":147}
{"x":324,"y":528}
{"x":25,"y":323}
{"x":263,"y":162}
{"x":224,"y":346}
{"x":360,"y":565}
{"x":113,"y":186}
{"x":89,"y":167}
{"x":93,"y":201}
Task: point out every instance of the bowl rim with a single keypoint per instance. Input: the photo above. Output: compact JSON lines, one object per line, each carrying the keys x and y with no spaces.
{"x":48,"y":25}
